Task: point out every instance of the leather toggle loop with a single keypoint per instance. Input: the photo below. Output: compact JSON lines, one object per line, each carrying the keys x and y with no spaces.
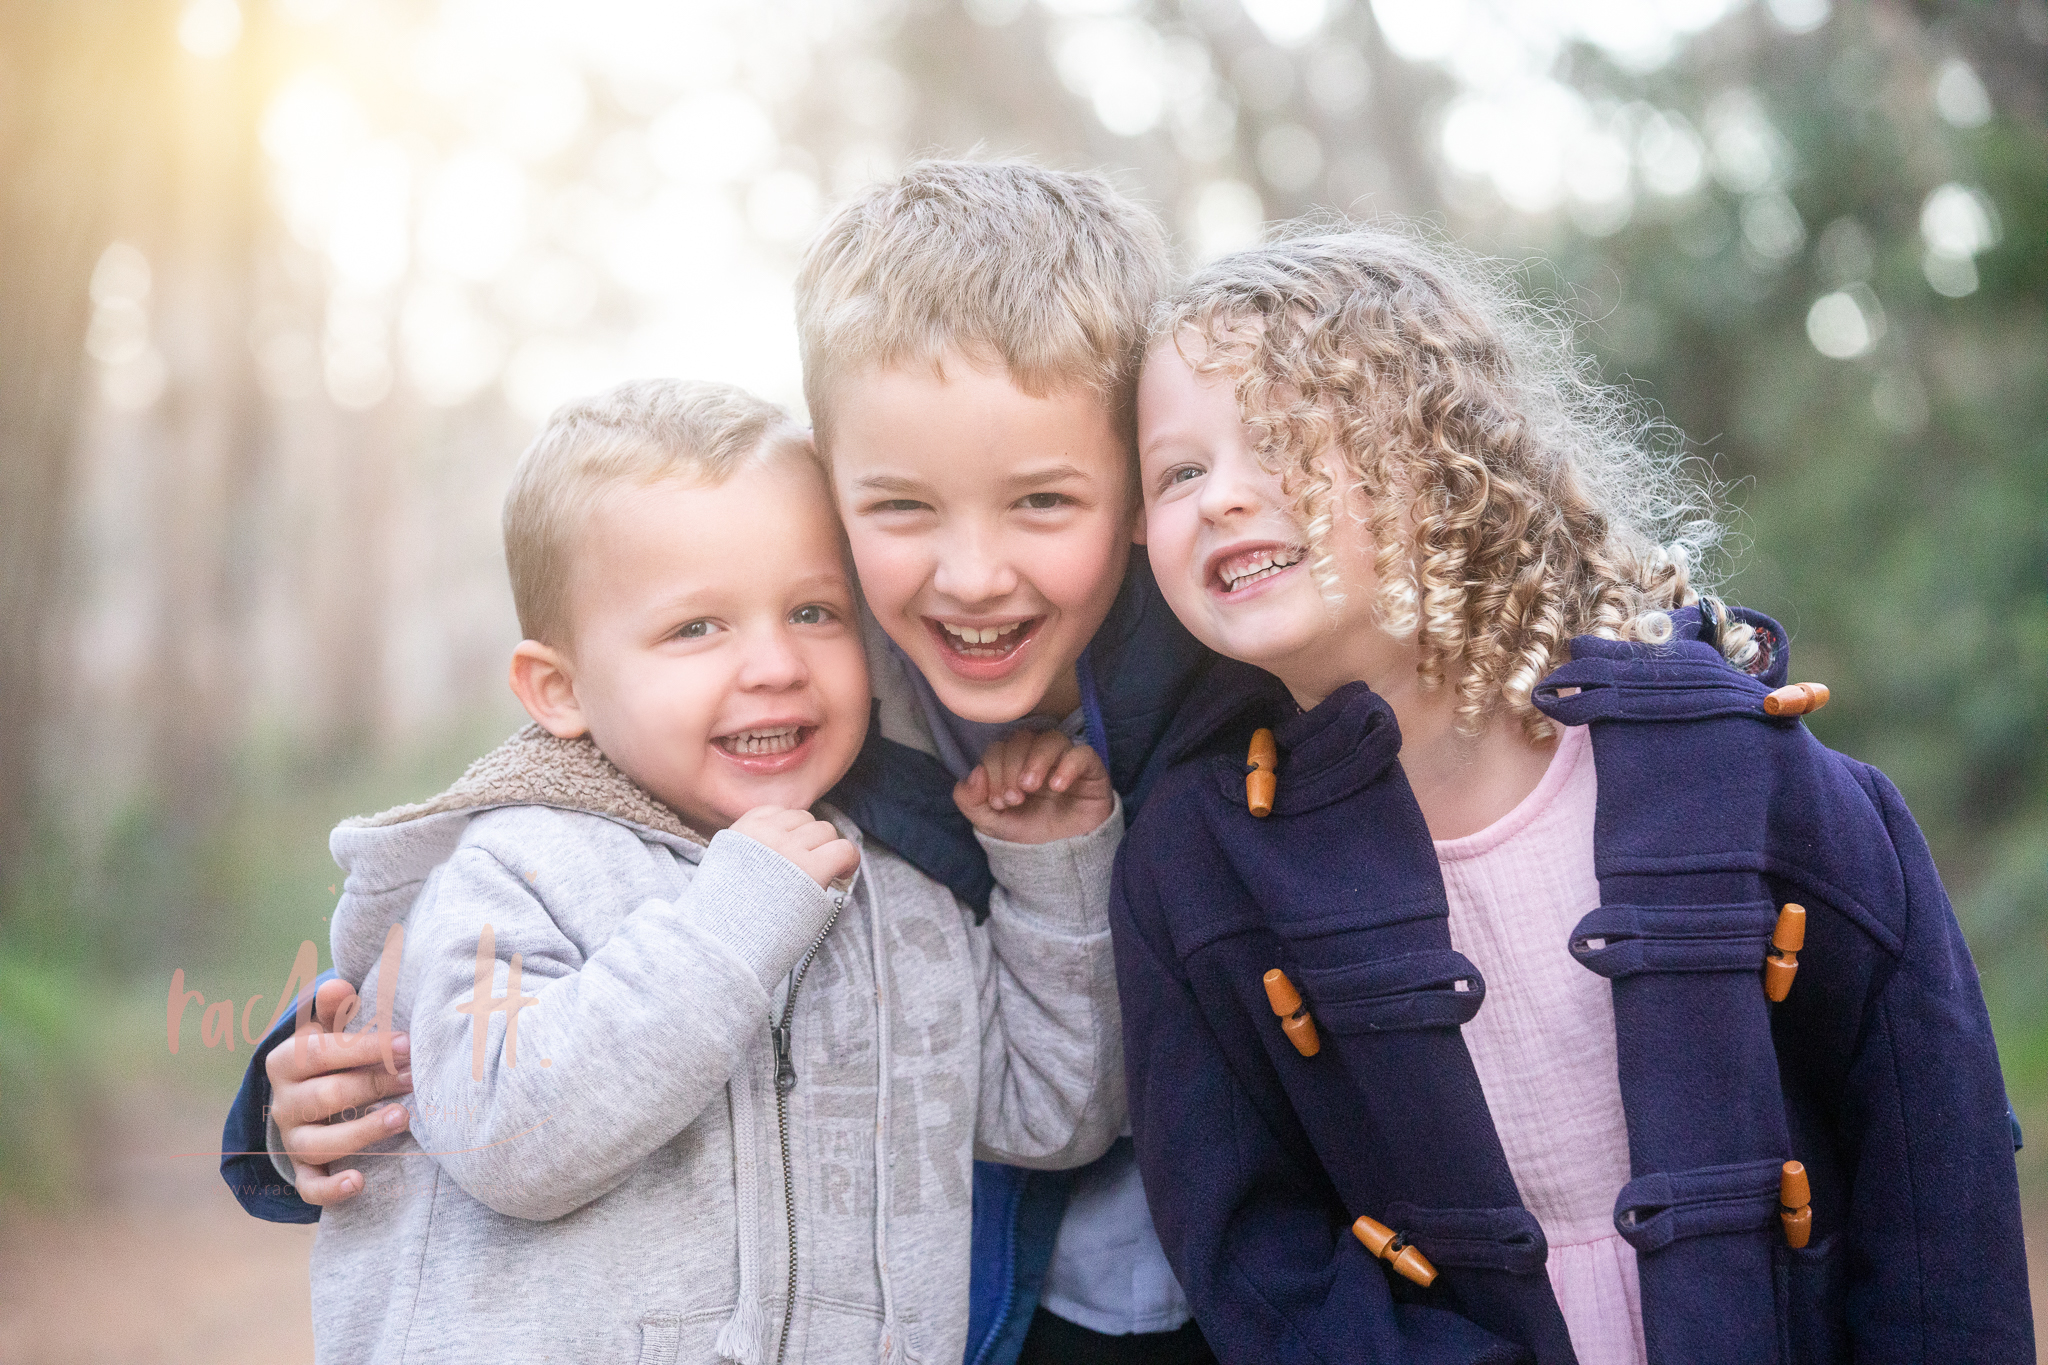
{"x":1661,"y":1207}
{"x":1294,"y":1017}
{"x":1795,"y":1205}
{"x":1261,"y":773}
{"x":1796,"y":699}
{"x":1393,"y":1248}
{"x":1781,"y":959}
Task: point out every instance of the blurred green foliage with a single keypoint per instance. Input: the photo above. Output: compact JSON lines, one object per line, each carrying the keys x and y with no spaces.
{"x":89,"y":941}
{"x":1895,"y":503}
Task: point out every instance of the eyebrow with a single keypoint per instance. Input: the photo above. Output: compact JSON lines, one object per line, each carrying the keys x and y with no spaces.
{"x":817,"y":581}
{"x":1035,"y":478}
{"x":887,"y":483}
{"x":1058,"y":473}
{"x":1166,"y":441}
{"x":705,"y":595}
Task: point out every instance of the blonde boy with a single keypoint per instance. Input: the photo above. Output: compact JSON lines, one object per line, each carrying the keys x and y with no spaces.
{"x":971,"y":337}
{"x":628,"y":1139}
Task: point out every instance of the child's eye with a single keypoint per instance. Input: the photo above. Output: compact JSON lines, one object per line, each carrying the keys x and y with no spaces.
{"x":1179,"y":474}
{"x":1044,"y":502}
{"x":896,"y":505}
{"x":695,"y":630}
{"x":812,"y":614}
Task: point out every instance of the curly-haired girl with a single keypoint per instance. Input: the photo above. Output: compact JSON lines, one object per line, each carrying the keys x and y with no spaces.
{"x":1467,"y":1013}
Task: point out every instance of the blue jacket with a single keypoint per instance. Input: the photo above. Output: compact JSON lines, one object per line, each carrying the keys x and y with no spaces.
{"x":1135,"y":676}
{"x":1878,"y":1071}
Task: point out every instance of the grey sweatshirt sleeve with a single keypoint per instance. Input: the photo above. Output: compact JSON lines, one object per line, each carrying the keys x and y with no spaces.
{"x":613,"y":1052}
{"x":1052,"y":1061}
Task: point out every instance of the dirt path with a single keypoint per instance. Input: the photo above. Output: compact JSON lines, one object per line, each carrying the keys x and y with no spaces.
{"x":163,"y":1268}
{"x":166,"y":1269}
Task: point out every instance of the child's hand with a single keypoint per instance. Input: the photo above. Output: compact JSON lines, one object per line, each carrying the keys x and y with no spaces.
{"x":322,"y":1074}
{"x":1033,"y":788}
{"x":812,"y":844}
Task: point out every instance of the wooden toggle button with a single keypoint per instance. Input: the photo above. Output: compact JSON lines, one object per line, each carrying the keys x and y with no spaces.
{"x":1294,"y":1017}
{"x":1796,"y":699}
{"x":1795,"y":1205}
{"x":1781,"y":959}
{"x":1261,"y":773}
{"x":1391,"y":1247}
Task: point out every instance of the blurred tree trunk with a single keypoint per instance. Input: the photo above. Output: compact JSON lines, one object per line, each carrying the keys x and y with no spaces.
{"x":75,"y":78}
{"x":210,"y":425}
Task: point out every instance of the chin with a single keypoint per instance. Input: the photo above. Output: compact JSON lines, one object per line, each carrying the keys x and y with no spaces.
{"x":1270,"y":650}
{"x":1012,"y":699}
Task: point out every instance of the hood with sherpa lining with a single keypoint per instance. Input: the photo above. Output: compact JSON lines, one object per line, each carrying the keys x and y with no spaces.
{"x":535,"y":768}
{"x":388,"y":855}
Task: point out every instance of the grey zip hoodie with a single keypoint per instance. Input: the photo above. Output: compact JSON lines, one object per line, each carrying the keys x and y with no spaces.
{"x":620,"y":1178}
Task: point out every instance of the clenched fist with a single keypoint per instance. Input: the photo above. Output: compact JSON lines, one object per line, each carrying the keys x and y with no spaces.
{"x":1033,"y":788}
{"x":812,"y":844}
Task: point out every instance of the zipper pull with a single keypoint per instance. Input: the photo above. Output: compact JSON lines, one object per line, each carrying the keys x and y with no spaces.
{"x":785,"y":1070}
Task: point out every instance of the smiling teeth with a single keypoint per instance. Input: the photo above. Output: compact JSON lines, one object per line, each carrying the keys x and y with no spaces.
{"x":983,"y":635}
{"x":1248,"y":569}
{"x":777,"y":741}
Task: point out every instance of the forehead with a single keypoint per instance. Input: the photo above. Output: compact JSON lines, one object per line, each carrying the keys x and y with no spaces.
{"x":767,"y":520}
{"x":1176,"y":402}
{"x":955,"y":421}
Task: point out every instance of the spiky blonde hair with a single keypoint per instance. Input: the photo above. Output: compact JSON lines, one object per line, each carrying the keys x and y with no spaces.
{"x":1050,"y":273}
{"x":1513,"y":501}
{"x":638,"y":433}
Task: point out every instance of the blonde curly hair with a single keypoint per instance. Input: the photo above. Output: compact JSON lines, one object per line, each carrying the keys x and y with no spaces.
{"x":1513,"y":500}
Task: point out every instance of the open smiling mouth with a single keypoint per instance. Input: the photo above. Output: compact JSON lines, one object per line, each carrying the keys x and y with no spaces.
{"x":1254,"y":566}
{"x":982,"y":644}
{"x":764,"y":743}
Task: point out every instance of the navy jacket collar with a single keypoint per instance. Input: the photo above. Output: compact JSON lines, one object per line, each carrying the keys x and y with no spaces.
{"x":1685,"y":678}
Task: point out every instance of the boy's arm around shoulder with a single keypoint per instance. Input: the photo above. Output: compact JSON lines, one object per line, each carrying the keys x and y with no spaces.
{"x":613,"y":1050}
{"x":1935,"y":1210}
{"x":1052,"y":1073}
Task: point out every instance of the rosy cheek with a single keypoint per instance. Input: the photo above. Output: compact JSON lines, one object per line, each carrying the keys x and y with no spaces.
{"x":890,"y":575}
{"x":1166,"y":542}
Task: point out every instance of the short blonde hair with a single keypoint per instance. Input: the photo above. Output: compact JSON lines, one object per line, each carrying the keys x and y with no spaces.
{"x":1051,"y":273}
{"x":638,"y":433}
{"x":1514,"y":500}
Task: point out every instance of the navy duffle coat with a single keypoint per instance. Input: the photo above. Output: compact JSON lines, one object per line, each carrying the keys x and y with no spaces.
{"x":1878,"y":1071}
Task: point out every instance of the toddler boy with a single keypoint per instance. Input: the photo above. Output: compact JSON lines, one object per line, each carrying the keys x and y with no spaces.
{"x":627,"y":1140}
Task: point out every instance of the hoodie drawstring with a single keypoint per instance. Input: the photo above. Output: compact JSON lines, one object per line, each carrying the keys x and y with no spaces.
{"x":741,"y":1340}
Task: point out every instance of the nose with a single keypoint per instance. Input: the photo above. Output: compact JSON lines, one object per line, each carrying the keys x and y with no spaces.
{"x":973,"y":568}
{"x":772,"y":662}
{"x":1236,"y":486}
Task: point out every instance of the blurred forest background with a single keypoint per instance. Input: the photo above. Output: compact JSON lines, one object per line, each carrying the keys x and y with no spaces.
{"x":285,"y":285}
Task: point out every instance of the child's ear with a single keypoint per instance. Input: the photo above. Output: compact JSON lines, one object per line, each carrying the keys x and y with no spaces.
{"x":546,"y":686}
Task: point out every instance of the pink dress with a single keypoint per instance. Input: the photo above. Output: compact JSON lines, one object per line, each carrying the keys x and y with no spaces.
{"x":1543,"y":1043}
